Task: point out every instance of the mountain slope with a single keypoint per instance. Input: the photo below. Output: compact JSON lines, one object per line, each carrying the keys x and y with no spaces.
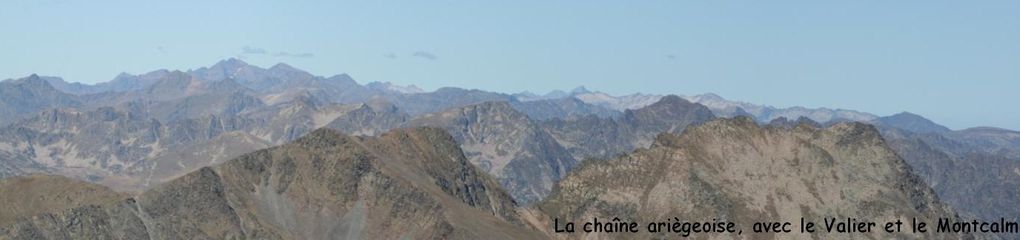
{"x":117,"y":147}
{"x":54,"y":207}
{"x":127,"y":147}
{"x":911,"y":122}
{"x":32,"y":195}
{"x":409,"y":183}
{"x":442,"y":99}
{"x":977,"y":171}
{"x":734,"y":170}
{"x":370,"y":119}
{"x":121,"y":83}
{"x":565,"y":108}
{"x":25,"y":97}
{"x":990,"y":140}
{"x":979,"y":185}
{"x":507,"y":144}
{"x":594,"y":137}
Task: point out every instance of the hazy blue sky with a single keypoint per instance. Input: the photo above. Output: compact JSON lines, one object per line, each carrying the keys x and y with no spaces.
{"x":956,"y":62}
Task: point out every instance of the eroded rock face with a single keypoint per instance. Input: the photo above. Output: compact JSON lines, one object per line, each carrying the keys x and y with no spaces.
{"x":563,"y":108}
{"x":409,"y":183}
{"x":370,"y":119}
{"x":594,"y":137}
{"x":735,"y":170}
{"x":507,"y":144}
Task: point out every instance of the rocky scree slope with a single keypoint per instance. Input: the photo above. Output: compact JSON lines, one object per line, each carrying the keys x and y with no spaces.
{"x":409,"y":183}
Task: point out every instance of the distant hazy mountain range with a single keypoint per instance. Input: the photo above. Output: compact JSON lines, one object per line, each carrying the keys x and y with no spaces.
{"x":242,"y":142}
{"x":720,"y":106}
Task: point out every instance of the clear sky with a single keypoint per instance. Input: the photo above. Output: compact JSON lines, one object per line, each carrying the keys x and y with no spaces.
{"x":956,"y":62}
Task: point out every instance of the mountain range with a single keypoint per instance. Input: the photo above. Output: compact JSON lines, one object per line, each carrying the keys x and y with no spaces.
{"x":237,"y":151}
{"x":417,"y":183}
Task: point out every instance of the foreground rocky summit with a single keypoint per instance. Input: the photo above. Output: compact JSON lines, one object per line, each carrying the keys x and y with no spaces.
{"x":409,"y":183}
{"x":735,"y":170}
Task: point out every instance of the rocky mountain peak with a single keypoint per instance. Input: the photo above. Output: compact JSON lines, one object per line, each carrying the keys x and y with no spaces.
{"x":25,"y":97}
{"x":711,"y":97}
{"x":174,"y":82}
{"x":670,"y":104}
{"x":671,"y":100}
{"x":123,"y":75}
{"x":282,"y":67}
{"x":733,"y":125}
{"x":322,"y":138}
{"x":787,"y":123}
{"x":669,"y":112}
{"x":911,"y":122}
{"x":34,"y":82}
{"x":735,"y":169}
{"x":250,"y":75}
{"x":579,"y":90}
{"x":556,"y":94}
{"x":229,"y":65}
{"x":857,"y":132}
{"x":286,"y":72}
{"x":343,"y":77}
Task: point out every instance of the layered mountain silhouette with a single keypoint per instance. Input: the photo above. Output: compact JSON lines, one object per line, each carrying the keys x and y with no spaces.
{"x":417,"y":183}
{"x":234,"y":150}
{"x":977,"y":170}
{"x":26,"y":96}
{"x":719,"y":105}
{"x":138,"y":144}
{"x":595,"y":137}
{"x":911,"y":122}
